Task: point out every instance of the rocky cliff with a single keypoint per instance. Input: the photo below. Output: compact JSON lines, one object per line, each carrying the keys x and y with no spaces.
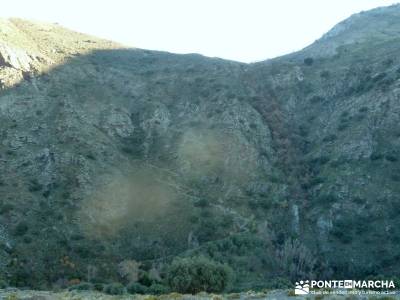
{"x":281,"y":169}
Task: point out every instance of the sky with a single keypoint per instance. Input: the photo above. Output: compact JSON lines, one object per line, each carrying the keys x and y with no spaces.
{"x":242,"y":30}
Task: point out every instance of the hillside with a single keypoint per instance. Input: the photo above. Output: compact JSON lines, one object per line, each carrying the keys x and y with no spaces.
{"x":282,"y":169}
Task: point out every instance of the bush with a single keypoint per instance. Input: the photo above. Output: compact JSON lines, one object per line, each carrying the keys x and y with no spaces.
{"x":391,"y":157}
{"x":316,"y":99}
{"x":359,"y":200}
{"x":21,"y":229}
{"x":202,"y":203}
{"x":98,"y":287}
{"x":308,"y":61}
{"x":342,"y":126}
{"x":158,"y":289}
{"x":295,"y":260}
{"x":387,"y":62}
{"x":114,"y":288}
{"x":342,"y":235}
{"x":279,"y":283}
{"x":34,"y":186}
{"x":395,"y":177}
{"x":327,"y":199}
{"x":5,"y":208}
{"x":136,"y":288}
{"x":83,"y":286}
{"x":3,"y":284}
{"x":325,"y":74}
{"x":316,"y":180}
{"x":145,"y":279}
{"x":303,"y":130}
{"x":376,"y":156}
{"x":317,"y":162}
{"x":330,"y":138}
{"x":341,"y":229}
{"x":196,"y":274}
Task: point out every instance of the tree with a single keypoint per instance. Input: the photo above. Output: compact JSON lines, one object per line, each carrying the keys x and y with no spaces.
{"x":196,"y":274}
{"x":129,"y":269}
{"x":296,"y":260}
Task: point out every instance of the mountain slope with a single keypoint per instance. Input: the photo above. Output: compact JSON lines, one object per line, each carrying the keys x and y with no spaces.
{"x":111,"y":154}
{"x":346,"y":108}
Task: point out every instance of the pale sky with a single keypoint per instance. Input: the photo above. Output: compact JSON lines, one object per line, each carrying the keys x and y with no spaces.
{"x":242,"y":30}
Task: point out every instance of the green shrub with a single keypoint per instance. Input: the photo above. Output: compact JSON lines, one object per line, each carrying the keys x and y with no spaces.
{"x":5,"y":208}
{"x":128,"y":150}
{"x":344,"y":115}
{"x":360,"y":116}
{"x":35,"y":186}
{"x":391,"y":157}
{"x":317,"y":162}
{"x":308,"y":61}
{"x":10,"y":152}
{"x":137,"y":288}
{"x":295,"y":260}
{"x":327,"y":199}
{"x":227,"y":220}
{"x":90,"y":156}
{"x":316,"y":180}
{"x":145,"y":279}
{"x":21,"y":228}
{"x":303,"y":130}
{"x":363,"y":109}
{"x":342,"y":235}
{"x":202,"y":203}
{"x":253,"y":203}
{"x":325,"y":74}
{"x":330,"y":138}
{"x":197,"y":274}
{"x":83,"y":286}
{"x":376,"y":156}
{"x":305,"y":87}
{"x":115,"y":288}
{"x":158,"y":289}
{"x":338,"y":162}
{"x":279,"y":283}
{"x":3,"y":284}
{"x":27,"y":239}
{"x":359,"y":200}
{"x":316,"y":99}
{"x":342,"y":126}
{"x":341,"y":230}
{"x":98,"y":287}
{"x":395,"y":177}
{"x":387,"y":62}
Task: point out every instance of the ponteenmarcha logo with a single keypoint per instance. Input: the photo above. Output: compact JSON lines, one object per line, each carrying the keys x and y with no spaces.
{"x":303,"y":287}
